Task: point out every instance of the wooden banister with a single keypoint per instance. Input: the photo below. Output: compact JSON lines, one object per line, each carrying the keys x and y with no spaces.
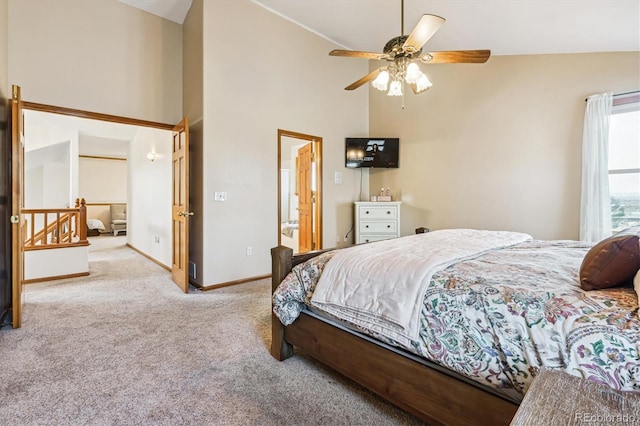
{"x":81,"y":219}
{"x":69,"y":228}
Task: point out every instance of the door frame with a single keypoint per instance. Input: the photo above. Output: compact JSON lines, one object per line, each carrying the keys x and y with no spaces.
{"x":17,"y":201}
{"x":33,"y":106}
{"x":317,"y":161}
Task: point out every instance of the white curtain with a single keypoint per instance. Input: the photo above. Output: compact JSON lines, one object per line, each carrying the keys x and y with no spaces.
{"x":595,"y":206}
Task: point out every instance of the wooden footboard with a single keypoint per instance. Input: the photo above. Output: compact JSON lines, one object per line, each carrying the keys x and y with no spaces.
{"x":428,"y":393}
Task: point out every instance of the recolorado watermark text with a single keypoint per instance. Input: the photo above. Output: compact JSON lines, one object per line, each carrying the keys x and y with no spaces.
{"x":606,"y":418}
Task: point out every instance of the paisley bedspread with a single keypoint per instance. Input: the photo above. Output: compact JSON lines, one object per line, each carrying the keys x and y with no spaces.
{"x":500,"y":317}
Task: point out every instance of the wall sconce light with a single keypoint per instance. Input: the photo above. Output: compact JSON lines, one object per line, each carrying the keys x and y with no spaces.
{"x":151,"y":156}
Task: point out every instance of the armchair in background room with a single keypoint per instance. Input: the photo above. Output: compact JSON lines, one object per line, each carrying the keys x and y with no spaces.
{"x":118,"y":218}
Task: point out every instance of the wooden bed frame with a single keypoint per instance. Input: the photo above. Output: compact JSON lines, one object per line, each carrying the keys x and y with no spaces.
{"x":429,"y":392}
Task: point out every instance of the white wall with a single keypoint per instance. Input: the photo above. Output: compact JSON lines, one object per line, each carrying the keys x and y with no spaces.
{"x":149,"y":194}
{"x":497,"y":145}
{"x":56,"y":262}
{"x":275,"y":75}
{"x":97,"y":55}
{"x":103,"y":180}
{"x":5,"y":87}
{"x":48,"y":177}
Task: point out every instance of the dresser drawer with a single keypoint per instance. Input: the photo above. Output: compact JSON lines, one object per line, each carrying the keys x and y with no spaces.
{"x":389,"y":227}
{"x":378,"y":212}
{"x":372,"y":238}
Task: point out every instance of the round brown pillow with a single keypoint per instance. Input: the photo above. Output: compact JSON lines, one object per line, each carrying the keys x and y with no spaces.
{"x":612,"y":262}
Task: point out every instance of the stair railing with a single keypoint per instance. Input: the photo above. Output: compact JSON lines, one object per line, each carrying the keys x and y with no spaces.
{"x":56,"y":228}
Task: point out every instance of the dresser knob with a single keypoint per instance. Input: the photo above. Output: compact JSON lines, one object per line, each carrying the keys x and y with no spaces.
{"x":388,"y":226}
{"x":388,"y":212}
{"x":366,"y":226}
{"x":367,"y":212}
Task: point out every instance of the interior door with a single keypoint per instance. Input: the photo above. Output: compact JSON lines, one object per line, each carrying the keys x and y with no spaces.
{"x":305,"y":199}
{"x":289,"y":157}
{"x":17,"y":202}
{"x":180,"y":206}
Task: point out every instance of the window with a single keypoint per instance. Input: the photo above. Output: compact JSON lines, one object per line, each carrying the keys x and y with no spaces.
{"x":624,"y":161}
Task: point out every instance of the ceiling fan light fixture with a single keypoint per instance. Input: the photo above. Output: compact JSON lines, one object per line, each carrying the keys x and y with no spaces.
{"x":413,"y":73}
{"x":395,"y":89}
{"x":404,"y":54}
{"x":381,"y":81}
{"x":423,"y":83}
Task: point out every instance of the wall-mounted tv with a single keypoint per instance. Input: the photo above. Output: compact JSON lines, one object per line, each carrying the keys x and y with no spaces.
{"x":372,"y":152}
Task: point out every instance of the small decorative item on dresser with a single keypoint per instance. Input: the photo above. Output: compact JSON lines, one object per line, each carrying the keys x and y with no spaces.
{"x":384,"y":195}
{"x":422,"y":230}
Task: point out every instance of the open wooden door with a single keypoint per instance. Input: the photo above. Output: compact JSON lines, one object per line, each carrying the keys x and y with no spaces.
{"x":17,"y":202}
{"x":302,"y":155}
{"x":180,"y":206}
{"x":305,"y":199}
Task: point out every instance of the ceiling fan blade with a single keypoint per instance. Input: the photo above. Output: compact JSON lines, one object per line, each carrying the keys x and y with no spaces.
{"x":459,"y":57}
{"x":371,"y":76}
{"x":423,"y":31}
{"x":414,"y":88}
{"x":357,"y":54}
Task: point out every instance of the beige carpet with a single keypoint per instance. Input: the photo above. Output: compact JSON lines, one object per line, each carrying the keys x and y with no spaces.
{"x":125,"y":346}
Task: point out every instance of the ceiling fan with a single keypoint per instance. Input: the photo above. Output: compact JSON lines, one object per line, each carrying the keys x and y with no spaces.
{"x":403,"y":54}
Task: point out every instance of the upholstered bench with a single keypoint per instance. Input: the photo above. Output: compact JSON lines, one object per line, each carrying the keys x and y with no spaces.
{"x":557,"y":398}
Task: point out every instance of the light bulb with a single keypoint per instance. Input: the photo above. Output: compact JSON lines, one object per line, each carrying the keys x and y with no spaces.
{"x":381,"y":81}
{"x":395,"y":89}
{"x":422,"y":83}
{"x":413,"y":73}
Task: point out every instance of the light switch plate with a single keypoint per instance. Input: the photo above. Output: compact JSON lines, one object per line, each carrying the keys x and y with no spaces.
{"x":337,"y":177}
{"x":220,"y":196}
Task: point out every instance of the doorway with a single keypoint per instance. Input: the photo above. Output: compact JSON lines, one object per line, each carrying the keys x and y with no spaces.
{"x":299,"y":191}
{"x":109,"y":161}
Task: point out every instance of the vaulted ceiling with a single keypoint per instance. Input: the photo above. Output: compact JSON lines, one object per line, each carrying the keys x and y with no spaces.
{"x":506,"y":27}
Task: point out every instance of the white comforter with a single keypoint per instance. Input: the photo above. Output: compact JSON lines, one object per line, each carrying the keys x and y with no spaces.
{"x":380,"y":285}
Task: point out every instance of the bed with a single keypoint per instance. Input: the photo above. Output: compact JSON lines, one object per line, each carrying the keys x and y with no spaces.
{"x":289,"y":234}
{"x":487,"y":320}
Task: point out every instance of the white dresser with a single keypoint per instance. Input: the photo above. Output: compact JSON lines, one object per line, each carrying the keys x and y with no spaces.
{"x":377,"y":221}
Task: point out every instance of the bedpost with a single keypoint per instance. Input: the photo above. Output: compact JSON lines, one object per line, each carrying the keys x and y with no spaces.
{"x":281,"y":264}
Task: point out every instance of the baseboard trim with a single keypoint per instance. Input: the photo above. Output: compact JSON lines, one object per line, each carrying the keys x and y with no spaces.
{"x":228,"y":283}
{"x":156,"y":261}
{"x":57,"y":277}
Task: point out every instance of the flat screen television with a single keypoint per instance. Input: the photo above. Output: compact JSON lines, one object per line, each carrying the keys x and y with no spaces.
{"x":372,"y":152}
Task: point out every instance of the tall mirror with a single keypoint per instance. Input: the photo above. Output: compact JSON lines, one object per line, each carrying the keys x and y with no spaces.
{"x":299,"y":191}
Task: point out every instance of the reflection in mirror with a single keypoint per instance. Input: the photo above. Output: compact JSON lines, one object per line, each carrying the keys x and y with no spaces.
{"x":299,"y":191}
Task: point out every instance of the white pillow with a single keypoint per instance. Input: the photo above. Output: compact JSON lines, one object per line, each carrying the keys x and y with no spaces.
{"x":636,"y":285}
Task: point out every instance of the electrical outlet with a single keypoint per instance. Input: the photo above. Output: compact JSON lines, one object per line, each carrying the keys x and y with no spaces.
{"x":219,"y":196}
{"x":249,"y":251}
{"x":346,"y":238}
